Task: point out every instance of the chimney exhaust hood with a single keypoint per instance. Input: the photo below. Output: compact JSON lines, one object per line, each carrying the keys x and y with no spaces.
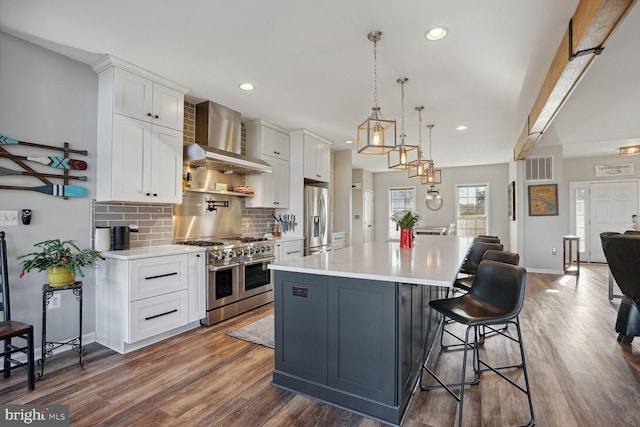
{"x":218,"y":140}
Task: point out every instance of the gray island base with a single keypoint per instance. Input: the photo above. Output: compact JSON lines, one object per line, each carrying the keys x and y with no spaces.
{"x":350,"y":324}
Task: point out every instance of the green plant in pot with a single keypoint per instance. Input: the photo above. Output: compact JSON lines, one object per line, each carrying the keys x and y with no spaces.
{"x":62,"y":260}
{"x":405,"y":219}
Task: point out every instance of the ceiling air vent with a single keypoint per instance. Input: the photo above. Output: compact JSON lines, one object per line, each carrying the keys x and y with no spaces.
{"x":538,"y":168}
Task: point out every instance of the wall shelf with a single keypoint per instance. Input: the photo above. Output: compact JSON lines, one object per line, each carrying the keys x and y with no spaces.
{"x":225,"y":193}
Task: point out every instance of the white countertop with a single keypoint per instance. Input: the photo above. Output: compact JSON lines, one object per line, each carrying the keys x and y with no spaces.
{"x":285,"y":238}
{"x":433,"y":260}
{"x":150,"y":251}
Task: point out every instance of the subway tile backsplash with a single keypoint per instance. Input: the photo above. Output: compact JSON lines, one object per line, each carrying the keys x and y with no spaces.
{"x":154,"y":222}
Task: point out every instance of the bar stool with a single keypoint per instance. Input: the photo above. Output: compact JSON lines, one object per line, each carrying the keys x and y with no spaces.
{"x":568,"y":265}
{"x":496,"y":297}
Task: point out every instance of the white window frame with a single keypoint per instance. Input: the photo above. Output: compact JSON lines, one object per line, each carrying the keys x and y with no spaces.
{"x":487,"y":206}
{"x":392,"y":233}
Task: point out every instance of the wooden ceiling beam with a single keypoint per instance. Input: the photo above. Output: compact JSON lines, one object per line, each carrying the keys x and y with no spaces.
{"x":590,"y":27}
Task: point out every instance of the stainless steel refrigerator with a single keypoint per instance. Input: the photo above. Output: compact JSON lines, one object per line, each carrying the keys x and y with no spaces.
{"x":316,"y":219}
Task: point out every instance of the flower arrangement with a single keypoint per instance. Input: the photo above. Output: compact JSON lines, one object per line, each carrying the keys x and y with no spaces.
{"x":57,"y":253}
{"x":405,"y":219}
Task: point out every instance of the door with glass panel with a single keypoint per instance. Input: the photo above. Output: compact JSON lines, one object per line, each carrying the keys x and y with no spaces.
{"x":598,"y":207}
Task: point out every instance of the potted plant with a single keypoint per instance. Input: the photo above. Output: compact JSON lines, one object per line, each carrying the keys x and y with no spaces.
{"x":406,"y":220}
{"x":61,"y":259}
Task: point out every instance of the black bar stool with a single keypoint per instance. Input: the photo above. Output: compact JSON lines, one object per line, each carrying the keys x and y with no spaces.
{"x":496,"y":298}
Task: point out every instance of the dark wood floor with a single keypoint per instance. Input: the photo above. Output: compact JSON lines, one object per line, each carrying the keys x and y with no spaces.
{"x":580,"y":375}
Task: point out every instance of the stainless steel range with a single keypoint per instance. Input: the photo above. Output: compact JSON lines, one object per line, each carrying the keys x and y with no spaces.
{"x":239,"y":278}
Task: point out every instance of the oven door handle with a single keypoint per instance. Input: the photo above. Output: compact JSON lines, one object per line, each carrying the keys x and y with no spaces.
{"x":258,"y":261}
{"x":223,"y":267}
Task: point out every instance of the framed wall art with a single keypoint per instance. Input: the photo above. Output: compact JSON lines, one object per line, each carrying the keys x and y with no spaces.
{"x":511,"y":200}
{"x":543,"y":200}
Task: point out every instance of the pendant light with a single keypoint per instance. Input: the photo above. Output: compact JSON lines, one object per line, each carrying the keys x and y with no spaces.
{"x":403,"y":154}
{"x":434,"y":176}
{"x":376,"y":135}
{"x":423,"y":165}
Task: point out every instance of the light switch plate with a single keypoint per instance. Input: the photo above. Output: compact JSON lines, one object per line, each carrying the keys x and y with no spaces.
{"x":8,"y":218}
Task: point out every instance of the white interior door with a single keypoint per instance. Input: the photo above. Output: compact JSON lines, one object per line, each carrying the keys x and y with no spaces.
{"x":368,"y":216}
{"x":611,"y":207}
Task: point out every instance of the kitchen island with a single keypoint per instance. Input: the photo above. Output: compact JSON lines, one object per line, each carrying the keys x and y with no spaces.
{"x":350,"y":324}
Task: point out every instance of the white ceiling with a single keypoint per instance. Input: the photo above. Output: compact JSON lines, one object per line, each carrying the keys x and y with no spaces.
{"x":312,"y":65}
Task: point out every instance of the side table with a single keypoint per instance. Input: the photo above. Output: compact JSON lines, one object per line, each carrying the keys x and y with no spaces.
{"x":568,"y":264}
{"x":49,"y":346}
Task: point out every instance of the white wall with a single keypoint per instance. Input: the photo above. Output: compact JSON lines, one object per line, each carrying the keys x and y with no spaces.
{"x":47,"y":99}
{"x":342,"y":193}
{"x":543,"y":233}
{"x":497,"y":176}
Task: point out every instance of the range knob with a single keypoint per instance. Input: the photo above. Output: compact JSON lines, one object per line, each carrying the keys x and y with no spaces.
{"x":263,"y":249}
{"x":217,"y":256}
{"x":230,"y":254}
{"x":268,"y":248}
{"x":251,"y":251}
{"x":239,"y":252}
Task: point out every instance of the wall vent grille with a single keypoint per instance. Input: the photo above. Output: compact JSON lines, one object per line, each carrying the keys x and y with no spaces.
{"x":538,"y":168}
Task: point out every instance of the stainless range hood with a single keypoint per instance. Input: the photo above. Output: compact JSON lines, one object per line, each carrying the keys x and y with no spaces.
{"x":218,"y":140}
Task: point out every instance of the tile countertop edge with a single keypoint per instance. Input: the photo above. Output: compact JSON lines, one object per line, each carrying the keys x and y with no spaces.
{"x":151,"y":251}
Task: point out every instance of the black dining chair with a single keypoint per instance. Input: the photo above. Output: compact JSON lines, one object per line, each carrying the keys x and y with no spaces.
{"x":622,"y":252}
{"x":11,"y":329}
{"x":496,"y":297}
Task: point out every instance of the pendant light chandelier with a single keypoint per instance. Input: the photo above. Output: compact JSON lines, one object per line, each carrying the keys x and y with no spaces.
{"x":434,"y":176}
{"x":422,"y":166}
{"x":376,"y":135}
{"x":399,"y":157}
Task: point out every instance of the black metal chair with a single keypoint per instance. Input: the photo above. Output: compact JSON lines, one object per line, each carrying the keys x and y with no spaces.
{"x":623,"y":256}
{"x":10,"y":329}
{"x":496,"y":297}
{"x":512,"y":258}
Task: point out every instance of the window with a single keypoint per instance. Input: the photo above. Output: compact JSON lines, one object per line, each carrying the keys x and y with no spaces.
{"x":538,"y":168}
{"x":400,"y":199}
{"x":471,"y":210}
{"x":581,"y":215}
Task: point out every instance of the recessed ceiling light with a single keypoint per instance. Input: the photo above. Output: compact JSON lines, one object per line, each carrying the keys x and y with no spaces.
{"x":348,"y":141}
{"x":246,"y":86}
{"x":436,"y":33}
{"x":462,"y":127}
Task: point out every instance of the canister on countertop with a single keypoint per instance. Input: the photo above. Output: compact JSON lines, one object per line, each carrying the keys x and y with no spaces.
{"x":102,"y":239}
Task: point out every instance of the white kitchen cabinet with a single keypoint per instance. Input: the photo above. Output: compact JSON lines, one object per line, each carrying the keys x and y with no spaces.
{"x":146,"y":161}
{"x":143,"y":99}
{"x":289,"y":249}
{"x":316,"y":155}
{"x":271,"y":190}
{"x":140,"y":119}
{"x":142,"y":300}
{"x":197,"y":286}
{"x":266,"y":139}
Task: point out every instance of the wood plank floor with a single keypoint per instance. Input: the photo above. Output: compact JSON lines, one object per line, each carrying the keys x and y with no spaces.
{"x":580,"y":375}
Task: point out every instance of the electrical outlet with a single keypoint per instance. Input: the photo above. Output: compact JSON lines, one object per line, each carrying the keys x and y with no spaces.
{"x":55,"y":301}
{"x":553,"y":251}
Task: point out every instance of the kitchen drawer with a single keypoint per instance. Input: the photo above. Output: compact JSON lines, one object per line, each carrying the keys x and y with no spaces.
{"x":150,"y":277}
{"x":291,"y":249}
{"x":338,"y":240}
{"x":153,"y":316}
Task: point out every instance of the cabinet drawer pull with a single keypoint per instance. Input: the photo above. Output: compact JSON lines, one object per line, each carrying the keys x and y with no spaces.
{"x":293,"y":252}
{"x":175,"y":310}
{"x":160,"y":276}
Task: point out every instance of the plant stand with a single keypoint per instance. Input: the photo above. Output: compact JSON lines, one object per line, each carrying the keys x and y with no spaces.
{"x":49,"y":346}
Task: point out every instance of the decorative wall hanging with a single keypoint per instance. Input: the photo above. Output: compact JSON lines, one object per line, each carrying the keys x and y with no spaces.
{"x":511,"y":200}
{"x":63,"y":162}
{"x":543,"y":200}
{"x":625,"y":169}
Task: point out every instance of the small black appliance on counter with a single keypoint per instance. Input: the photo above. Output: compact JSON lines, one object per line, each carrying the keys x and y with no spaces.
{"x":120,"y":238}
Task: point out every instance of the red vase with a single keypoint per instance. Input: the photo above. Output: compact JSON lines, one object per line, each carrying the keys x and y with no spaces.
{"x":406,"y":238}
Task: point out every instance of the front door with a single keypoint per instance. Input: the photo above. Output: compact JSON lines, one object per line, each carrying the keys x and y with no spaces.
{"x":611,"y":207}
